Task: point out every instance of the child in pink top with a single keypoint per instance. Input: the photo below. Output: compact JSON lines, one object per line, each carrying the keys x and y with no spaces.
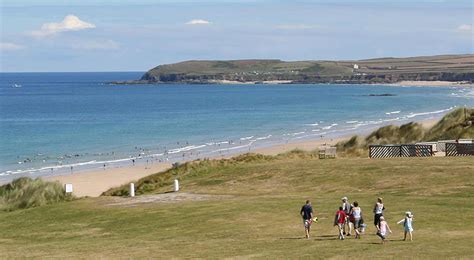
{"x":383,"y":228}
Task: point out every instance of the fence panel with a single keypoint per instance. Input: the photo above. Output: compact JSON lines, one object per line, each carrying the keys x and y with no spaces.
{"x":384,"y":151}
{"x":408,"y":150}
{"x":459,"y":149}
{"x":416,"y":150}
{"x":404,"y":150}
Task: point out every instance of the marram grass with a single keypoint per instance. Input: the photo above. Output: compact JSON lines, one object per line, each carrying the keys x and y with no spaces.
{"x":457,"y":124}
{"x":26,"y":193}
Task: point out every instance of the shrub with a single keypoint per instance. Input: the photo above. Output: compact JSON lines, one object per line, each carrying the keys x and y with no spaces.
{"x":25,"y":192}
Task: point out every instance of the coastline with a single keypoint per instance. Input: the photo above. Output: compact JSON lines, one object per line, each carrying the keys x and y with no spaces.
{"x":412,"y":83}
{"x":432,"y":84}
{"x":92,"y":183}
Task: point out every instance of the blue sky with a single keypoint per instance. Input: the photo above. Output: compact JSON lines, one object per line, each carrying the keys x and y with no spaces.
{"x":113,"y":35}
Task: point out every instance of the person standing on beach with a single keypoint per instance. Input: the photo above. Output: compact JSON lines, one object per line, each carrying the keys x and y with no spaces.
{"x":339,"y":221}
{"x":307,"y":213}
{"x":378,"y":212}
{"x":346,"y":206}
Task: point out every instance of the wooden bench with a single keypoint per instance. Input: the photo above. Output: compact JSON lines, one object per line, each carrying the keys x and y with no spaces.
{"x":327,"y":152}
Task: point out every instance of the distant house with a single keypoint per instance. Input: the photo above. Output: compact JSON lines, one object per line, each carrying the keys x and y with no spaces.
{"x":356,"y":67}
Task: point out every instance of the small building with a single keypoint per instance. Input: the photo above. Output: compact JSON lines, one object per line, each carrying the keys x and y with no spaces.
{"x":356,"y":67}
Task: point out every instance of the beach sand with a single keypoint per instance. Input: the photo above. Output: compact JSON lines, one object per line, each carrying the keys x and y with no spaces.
{"x":93,"y":183}
{"x":303,"y":145}
{"x":433,"y":84}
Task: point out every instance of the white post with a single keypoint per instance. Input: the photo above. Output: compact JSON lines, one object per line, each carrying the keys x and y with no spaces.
{"x":132,"y":190}
{"x":68,"y":188}
{"x":176,"y":185}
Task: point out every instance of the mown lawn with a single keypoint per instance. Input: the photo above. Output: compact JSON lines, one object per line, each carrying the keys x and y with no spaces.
{"x":260,"y":217}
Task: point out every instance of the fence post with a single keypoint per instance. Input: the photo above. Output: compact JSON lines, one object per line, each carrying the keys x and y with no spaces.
{"x":176,"y":185}
{"x":132,"y":190}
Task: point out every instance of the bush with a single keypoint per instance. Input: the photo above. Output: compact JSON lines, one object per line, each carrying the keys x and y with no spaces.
{"x":25,"y":192}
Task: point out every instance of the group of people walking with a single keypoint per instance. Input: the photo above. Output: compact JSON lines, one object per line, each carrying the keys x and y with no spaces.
{"x":349,"y":218}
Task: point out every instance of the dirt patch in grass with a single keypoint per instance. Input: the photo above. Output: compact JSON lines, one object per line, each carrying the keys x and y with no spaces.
{"x":172,"y":197}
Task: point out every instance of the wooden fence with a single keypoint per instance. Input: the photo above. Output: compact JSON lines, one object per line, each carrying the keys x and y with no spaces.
{"x":459,"y":149}
{"x":403,"y":150}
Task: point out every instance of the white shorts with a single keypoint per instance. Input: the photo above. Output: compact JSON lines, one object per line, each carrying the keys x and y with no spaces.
{"x":307,"y":223}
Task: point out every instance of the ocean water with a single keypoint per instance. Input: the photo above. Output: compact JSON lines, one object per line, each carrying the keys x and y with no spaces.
{"x":52,"y":121}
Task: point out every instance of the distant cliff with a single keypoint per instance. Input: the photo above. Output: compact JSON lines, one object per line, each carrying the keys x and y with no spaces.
{"x":383,"y":70}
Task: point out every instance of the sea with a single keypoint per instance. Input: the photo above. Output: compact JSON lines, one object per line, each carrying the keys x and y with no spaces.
{"x":63,"y":123}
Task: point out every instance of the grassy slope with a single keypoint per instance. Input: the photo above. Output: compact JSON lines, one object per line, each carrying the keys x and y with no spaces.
{"x":453,"y":125}
{"x":261,"y":218}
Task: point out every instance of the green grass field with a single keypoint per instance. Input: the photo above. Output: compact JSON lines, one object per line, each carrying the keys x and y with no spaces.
{"x":259,"y":216}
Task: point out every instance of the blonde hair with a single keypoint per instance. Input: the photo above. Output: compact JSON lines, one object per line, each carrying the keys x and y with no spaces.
{"x":380,"y":200}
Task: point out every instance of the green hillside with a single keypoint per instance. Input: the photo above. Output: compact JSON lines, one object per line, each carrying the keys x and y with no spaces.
{"x":382,"y":70}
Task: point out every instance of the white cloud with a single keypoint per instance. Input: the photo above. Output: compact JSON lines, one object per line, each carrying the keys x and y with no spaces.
{"x":198,"y":22}
{"x":8,"y":46}
{"x":297,"y":26}
{"x":96,"y":45}
{"x":69,"y":23}
{"x":465,"y":28}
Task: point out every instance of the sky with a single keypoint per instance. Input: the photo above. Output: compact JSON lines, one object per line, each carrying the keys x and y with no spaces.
{"x":126,"y":35}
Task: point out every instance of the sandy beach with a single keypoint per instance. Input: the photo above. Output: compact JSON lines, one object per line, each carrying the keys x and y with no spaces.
{"x":250,"y":82}
{"x":303,"y":145}
{"x":433,"y":84}
{"x":93,"y":183}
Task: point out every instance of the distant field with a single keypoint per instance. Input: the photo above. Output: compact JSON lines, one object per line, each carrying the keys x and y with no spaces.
{"x":388,"y":70}
{"x":258,"y":215}
{"x":442,"y":63}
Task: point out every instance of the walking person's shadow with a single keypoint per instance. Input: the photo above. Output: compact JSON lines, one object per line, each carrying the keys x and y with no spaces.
{"x":327,"y":237}
{"x":321,"y":237}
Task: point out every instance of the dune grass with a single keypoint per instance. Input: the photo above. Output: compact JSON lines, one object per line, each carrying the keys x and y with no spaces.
{"x":25,"y":192}
{"x":259,"y":218}
{"x":457,"y":124}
